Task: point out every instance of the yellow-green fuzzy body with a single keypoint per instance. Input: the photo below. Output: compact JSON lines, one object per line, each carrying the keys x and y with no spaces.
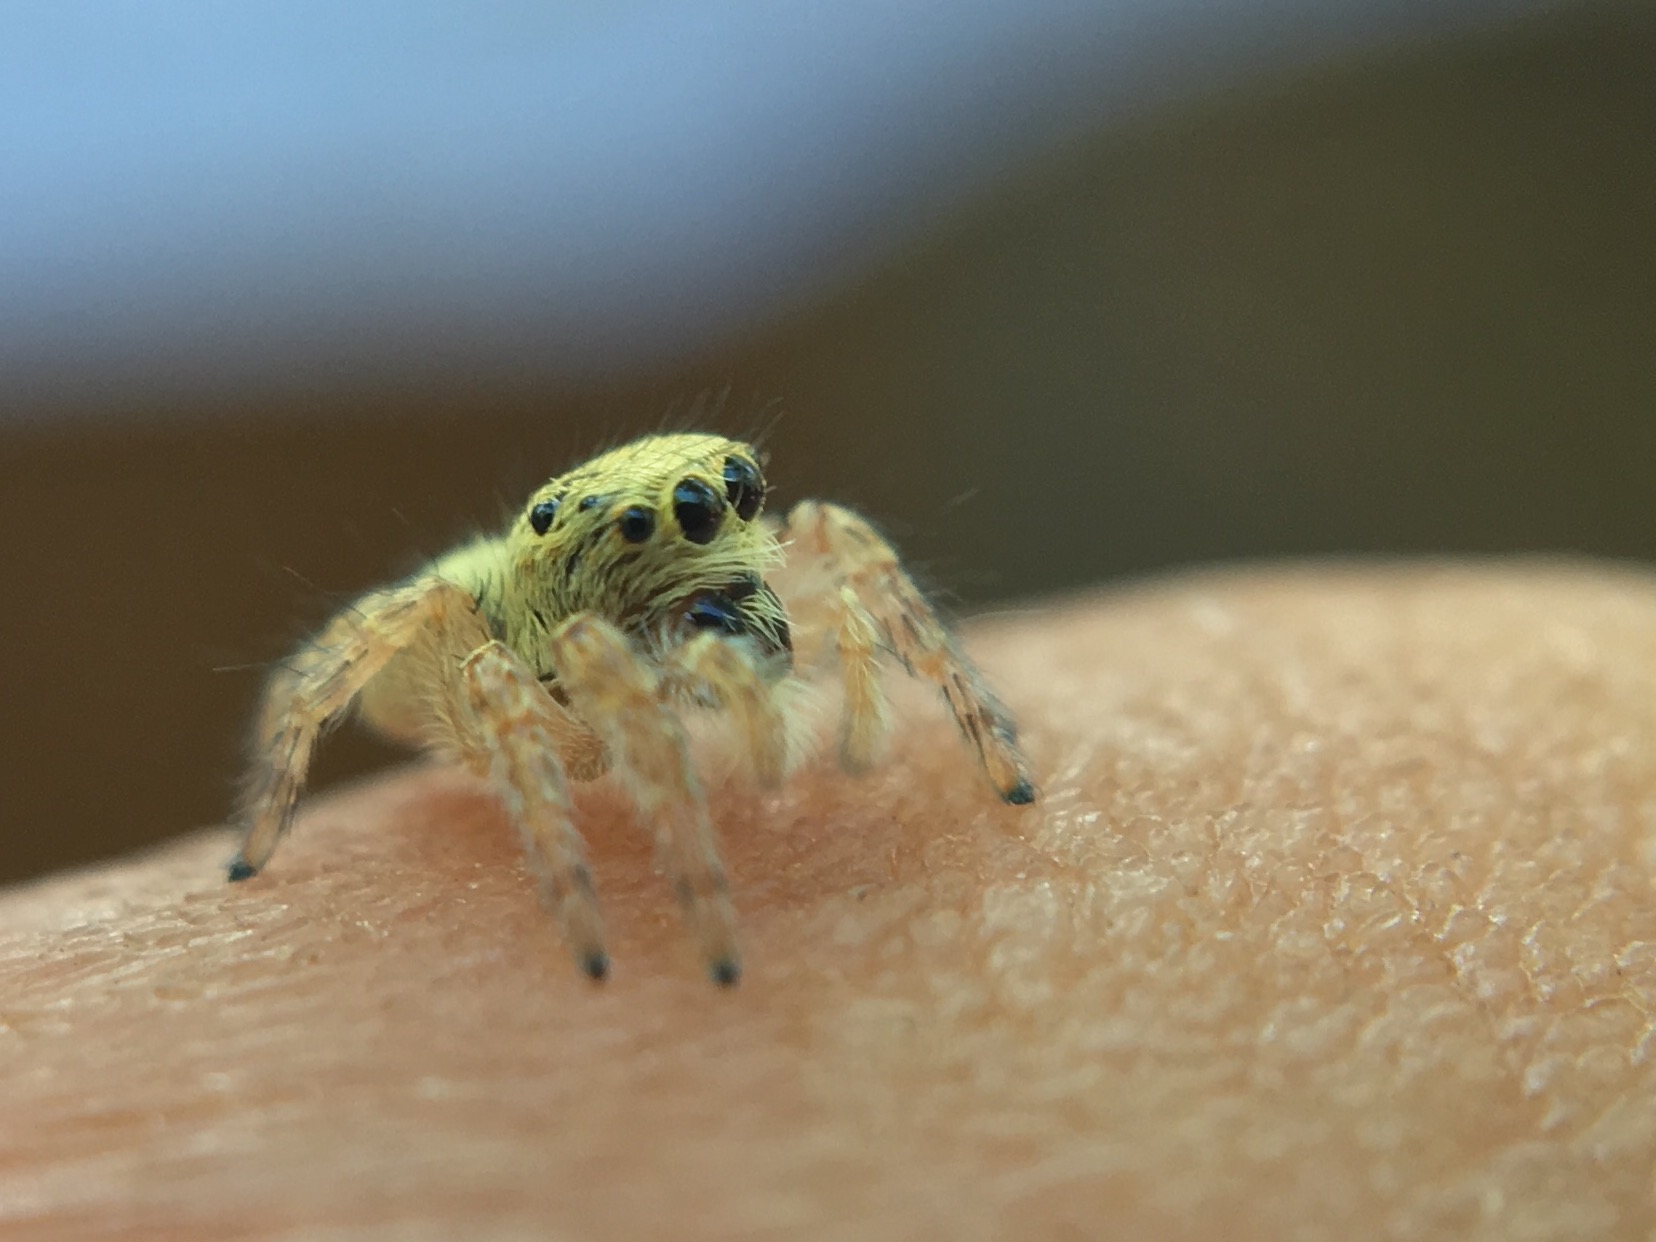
{"x":625,"y":592}
{"x":526,"y":583}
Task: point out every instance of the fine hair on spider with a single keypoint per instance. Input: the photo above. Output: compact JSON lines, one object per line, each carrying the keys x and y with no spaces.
{"x":621,"y":594}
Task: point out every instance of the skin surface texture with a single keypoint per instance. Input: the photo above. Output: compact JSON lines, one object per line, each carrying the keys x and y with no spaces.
{"x":1335,"y":920}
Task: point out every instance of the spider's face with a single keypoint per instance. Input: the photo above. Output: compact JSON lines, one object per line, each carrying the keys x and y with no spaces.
{"x":661,"y":536}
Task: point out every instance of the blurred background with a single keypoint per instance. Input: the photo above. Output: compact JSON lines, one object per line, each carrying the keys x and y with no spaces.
{"x":1060,"y":295}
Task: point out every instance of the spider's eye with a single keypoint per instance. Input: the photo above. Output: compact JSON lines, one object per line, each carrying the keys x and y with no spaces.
{"x":744,"y":487}
{"x":637,"y":524}
{"x":699,"y":510}
{"x":540,"y":517}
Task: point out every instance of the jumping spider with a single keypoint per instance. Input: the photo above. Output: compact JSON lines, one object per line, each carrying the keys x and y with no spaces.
{"x":625,"y":591}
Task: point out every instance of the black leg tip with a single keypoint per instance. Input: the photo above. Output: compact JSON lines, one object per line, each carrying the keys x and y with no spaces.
{"x":726,"y":972}
{"x":596,"y":965}
{"x":240,"y":871}
{"x":1021,"y":794}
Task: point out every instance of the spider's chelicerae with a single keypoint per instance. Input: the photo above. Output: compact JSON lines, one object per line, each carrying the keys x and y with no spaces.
{"x":626,"y":591}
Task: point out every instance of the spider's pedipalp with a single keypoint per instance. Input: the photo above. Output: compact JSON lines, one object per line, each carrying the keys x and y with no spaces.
{"x":735,"y":672}
{"x":869,"y":578}
{"x":617,"y":691}
{"x":319,"y":683}
{"x":517,"y":727}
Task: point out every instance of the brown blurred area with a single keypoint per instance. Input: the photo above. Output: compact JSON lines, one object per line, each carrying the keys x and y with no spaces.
{"x":1403,"y":305}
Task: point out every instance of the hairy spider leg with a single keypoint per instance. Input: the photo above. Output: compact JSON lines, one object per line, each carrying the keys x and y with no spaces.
{"x":880,"y":607}
{"x":316,"y":686}
{"x":618,"y":691}
{"x":517,"y":726}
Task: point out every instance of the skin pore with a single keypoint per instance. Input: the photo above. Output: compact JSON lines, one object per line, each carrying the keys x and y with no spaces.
{"x":1335,"y":919}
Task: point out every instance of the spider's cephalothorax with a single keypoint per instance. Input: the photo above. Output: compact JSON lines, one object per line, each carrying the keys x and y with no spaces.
{"x":625,"y":591}
{"x":661,"y":537}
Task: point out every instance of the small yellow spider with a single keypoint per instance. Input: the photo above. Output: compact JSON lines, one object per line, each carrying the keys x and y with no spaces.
{"x":625,"y":591}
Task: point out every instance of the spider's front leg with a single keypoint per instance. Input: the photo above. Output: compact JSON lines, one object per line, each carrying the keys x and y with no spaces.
{"x":878,"y":608}
{"x":319,"y":682}
{"x":515,"y":732}
{"x":617,"y":690}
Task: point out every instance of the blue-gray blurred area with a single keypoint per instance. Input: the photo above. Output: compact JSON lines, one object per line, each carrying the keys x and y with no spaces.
{"x":195,"y":195}
{"x":1060,"y":294}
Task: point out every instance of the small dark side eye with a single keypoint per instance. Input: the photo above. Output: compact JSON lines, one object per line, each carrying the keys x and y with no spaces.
{"x":637,"y":524}
{"x":540,"y":517}
{"x":699,"y":510}
{"x":744,"y":487}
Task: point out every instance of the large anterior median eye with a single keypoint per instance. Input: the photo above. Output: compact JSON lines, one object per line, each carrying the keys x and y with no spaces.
{"x":744,"y":487}
{"x":699,"y":510}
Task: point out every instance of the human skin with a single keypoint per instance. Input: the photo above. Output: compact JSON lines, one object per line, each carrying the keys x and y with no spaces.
{"x":1335,"y":919}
